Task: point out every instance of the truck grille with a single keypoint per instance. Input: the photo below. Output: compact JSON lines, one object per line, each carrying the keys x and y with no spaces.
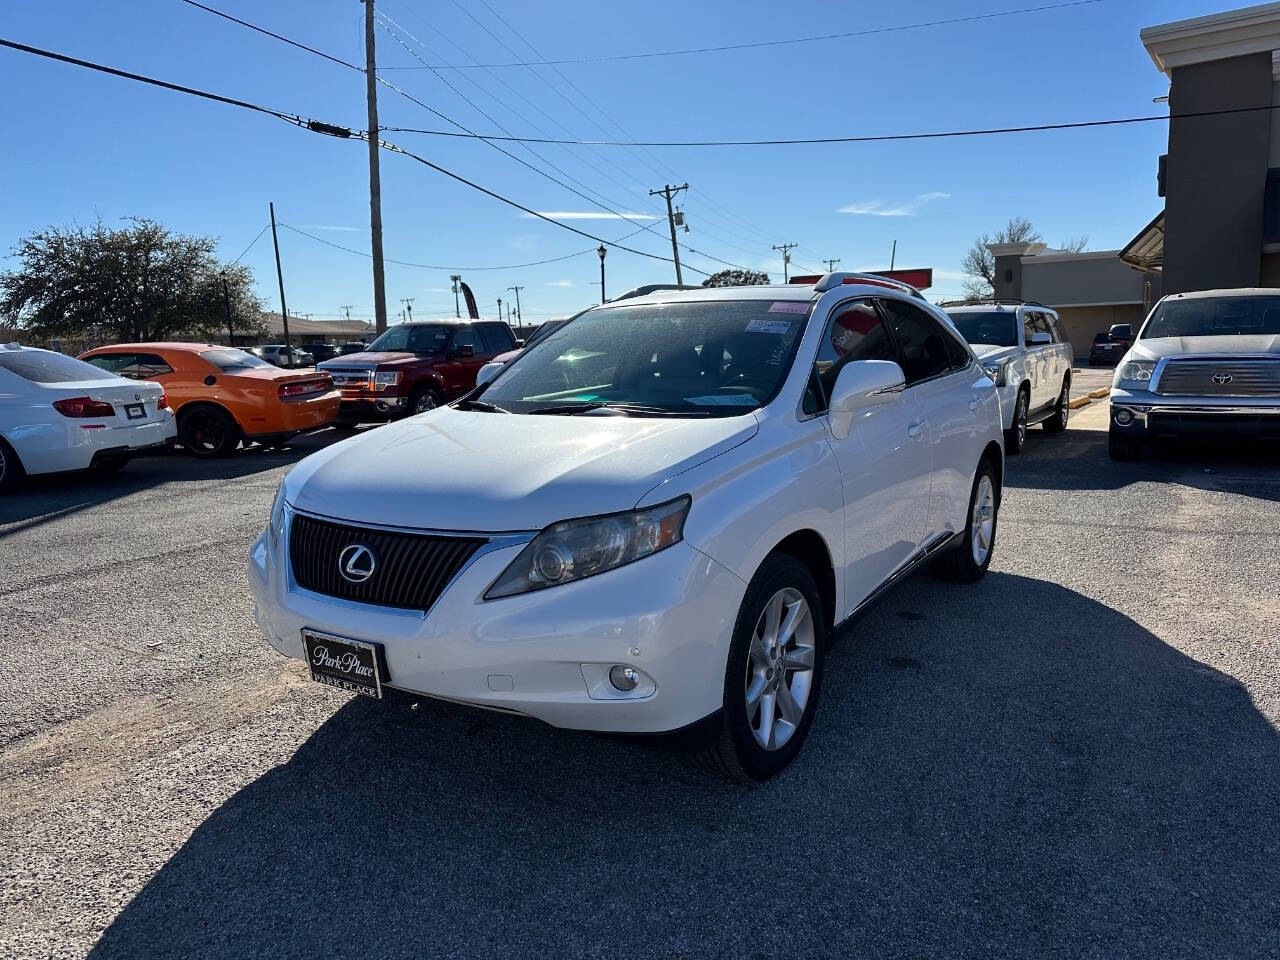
{"x":350,"y":377}
{"x":410,"y":570}
{"x":1220,"y":378}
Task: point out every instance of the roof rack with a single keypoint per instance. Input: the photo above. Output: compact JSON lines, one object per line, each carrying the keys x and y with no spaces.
{"x":992,"y":301}
{"x":648,"y":288}
{"x":830,"y":280}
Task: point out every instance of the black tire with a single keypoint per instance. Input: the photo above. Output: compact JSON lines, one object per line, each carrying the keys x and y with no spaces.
{"x":736,"y":753}
{"x":1015,"y":438}
{"x":1061,"y":410}
{"x":424,"y":399}
{"x":1123,"y":448}
{"x":207,"y":432}
{"x":11,"y":472}
{"x":960,"y":564}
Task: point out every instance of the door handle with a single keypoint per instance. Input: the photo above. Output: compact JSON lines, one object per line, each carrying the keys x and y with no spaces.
{"x":915,"y":429}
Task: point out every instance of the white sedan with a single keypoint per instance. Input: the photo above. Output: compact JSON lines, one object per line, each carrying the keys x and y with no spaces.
{"x":58,"y":413}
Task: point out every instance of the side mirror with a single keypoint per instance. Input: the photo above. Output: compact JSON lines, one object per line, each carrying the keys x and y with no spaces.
{"x":862,"y":384}
{"x":487,"y":373}
{"x":1039,"y":339}
{"x":463,"y":352}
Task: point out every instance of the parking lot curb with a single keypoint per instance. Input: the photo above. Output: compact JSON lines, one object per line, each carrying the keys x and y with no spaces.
{"x":1099,"y":393}
{"x":1079,"y":402}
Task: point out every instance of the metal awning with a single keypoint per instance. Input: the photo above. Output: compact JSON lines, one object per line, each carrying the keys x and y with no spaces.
{"x":1145,"y":252}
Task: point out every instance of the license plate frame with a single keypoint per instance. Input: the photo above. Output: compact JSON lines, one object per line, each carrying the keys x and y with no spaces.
{"x":354,"y":666}
{"x":135,"y":411}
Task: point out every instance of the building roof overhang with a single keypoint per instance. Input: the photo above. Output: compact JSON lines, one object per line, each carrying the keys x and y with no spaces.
{"x":1234,"y":33}
{"x":1145,"y":252}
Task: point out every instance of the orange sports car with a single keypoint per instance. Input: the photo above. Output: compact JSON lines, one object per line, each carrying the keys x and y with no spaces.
{"x":222,"y":395}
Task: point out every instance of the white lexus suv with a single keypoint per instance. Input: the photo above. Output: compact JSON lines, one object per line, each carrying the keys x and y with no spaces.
{"x":652,"y":520}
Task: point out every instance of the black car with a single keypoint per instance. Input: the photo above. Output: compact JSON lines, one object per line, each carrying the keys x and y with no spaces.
{"x":352,"y":346}
{"x":322,"y":351}
{"x":1109,"y":347}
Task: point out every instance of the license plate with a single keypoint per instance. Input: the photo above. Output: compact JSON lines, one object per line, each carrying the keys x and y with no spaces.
{"x":135,"y":411}
{"x":351,"y":665}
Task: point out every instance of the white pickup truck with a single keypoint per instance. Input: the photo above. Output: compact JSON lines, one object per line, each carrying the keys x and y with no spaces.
{"x":1024,"y":350}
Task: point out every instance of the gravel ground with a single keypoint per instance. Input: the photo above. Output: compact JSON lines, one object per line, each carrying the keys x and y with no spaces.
{"x":1077,"y":757}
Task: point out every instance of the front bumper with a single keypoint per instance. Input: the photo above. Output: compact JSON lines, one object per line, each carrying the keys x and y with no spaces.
{"x":1140,"y":414}
{"x":544,"y":654}
{"x":372,"y":409}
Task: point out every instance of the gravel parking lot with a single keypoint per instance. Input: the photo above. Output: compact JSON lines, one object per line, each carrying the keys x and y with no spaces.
{"x":1076,"y":758}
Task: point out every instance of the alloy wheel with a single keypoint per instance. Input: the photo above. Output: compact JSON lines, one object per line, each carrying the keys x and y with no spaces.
{"x":207,"y":430}
{"x":426,"y":401}
{"x":983,"y":522}
{"x":3,"y":465}
{"x":780,"y":668}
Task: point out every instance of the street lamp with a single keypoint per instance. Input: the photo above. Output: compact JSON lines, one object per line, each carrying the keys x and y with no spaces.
{"x":602,"y":251}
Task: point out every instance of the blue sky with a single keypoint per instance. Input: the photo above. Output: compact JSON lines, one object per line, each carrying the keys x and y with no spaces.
{"x":81,"y":145}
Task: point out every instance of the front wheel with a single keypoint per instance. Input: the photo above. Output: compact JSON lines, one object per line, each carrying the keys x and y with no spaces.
{"x":773,"y":676}
{"x":968,"y":562}
{"x":423,"y":400}
{"x":1061,"y":410}
{"x":1015,"y":438}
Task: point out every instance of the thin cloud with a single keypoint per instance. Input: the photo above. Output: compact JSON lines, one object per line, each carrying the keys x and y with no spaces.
{"x":328,"y":226}
{"x":886,"y":208}
{"x":560,"y":283}
{"x":588,"y":215}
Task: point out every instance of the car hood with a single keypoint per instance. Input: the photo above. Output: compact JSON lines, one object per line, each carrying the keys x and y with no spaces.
{"x":508,"y":356}
{"x":466,"y":470}
{"x":369,"y":358}
{"x":1157,"y":348}
{"x":991,"y":351}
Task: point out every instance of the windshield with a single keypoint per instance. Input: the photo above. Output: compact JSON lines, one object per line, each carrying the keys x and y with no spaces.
{"x":1214,"y":317}
{"x":720,"y":358}
{"x":544,"y":331}
{"x":999,"y":328}
{"x":45,"y":366}
{"x":232,"y":359}
{"x":413,"y":338}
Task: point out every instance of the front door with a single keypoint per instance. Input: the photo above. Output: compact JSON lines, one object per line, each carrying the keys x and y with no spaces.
{"x":460,"y":367}
{"x":884,"y":461}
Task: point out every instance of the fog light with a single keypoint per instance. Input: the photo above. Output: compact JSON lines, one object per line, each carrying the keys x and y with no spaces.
{"x":624,"y":678}
{"x":1124,"y":417}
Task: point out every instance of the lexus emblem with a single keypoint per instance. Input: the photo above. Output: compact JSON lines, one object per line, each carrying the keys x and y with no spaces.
{"x":1222,"y":379}
{"x":356,"y":563}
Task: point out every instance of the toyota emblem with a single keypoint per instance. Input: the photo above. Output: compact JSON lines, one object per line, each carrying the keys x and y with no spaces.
{"x":1222,"y":379}
{"x":356,"y":563}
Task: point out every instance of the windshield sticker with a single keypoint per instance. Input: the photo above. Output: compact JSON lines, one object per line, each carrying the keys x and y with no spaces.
{"x":789,"y":306}
{"x":725,"y":400}
{"x":761,"y":325}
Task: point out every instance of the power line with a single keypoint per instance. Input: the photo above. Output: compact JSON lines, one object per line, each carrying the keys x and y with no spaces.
{"x":251,"y":245}
{"x":264,"y":30}
{"x":950,"y":21}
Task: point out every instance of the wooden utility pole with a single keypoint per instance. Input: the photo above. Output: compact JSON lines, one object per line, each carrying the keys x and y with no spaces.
{"x":669,"y":191}
{"x":408,"y":306}
{"x":226,"y":302}
{"x":284,"y":308}
{"x":519,"y":318}
{"x":786,"y":249}
{"x":831,"y":264}
{"x":375,"y":179}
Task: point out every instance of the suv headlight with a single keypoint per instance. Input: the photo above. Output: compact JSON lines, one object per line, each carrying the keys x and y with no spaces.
{"x":275,"y":522}
{"x":381,"y":381}
{"x":1135,"y":373}
{"x":997,"y":370}
{"x":574,"y":549}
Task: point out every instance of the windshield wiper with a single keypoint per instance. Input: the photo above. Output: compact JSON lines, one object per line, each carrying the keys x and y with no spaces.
{"x":481,"y":405}
{"x":638,"y":409}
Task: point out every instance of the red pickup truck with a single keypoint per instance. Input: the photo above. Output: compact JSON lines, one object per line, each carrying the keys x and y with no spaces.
{"x":414,"y":367}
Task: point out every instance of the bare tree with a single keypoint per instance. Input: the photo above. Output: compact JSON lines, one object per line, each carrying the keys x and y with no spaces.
{"x":980,"y":265}
{"x":1074,"y":244}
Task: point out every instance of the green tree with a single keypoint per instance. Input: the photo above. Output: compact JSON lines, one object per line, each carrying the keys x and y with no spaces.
{"x":134,"y":283}
{"x":736,"y":278}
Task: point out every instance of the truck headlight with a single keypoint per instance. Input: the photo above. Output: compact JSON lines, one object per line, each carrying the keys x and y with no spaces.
{"x":1135,"y":373}
{"x":575,"y":549}
{"x":998,"y":371}
{"x":390,"y":378}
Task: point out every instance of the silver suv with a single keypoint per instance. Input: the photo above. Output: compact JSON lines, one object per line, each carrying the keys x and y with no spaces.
{"x":1204,"y":364}
{"x":1023,"y":348}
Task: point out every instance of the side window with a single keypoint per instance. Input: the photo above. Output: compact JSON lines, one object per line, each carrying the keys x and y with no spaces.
{"x":1055,"y":328}
{"x":922,"y":343}
{"x":1028,"y":327}
{"x":496,"y":338}
{"x":958,"y":355}
{"x":113,"y":362}
{"x":146,"y":366}
{"x":466,"y":337}
{"x":854,"y":332}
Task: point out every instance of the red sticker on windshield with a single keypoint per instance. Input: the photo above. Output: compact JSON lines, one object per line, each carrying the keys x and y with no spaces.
{"x":789,"y":306}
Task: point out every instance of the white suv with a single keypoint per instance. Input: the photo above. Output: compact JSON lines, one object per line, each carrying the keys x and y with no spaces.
{"x":1023,"y":348}
{"x":652,"y":520}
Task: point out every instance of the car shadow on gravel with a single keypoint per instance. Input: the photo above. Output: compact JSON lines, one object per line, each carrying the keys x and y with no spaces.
{"x":1078,"y":460}
{"x":45,"y":497}
{"x":1071,"y":786}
